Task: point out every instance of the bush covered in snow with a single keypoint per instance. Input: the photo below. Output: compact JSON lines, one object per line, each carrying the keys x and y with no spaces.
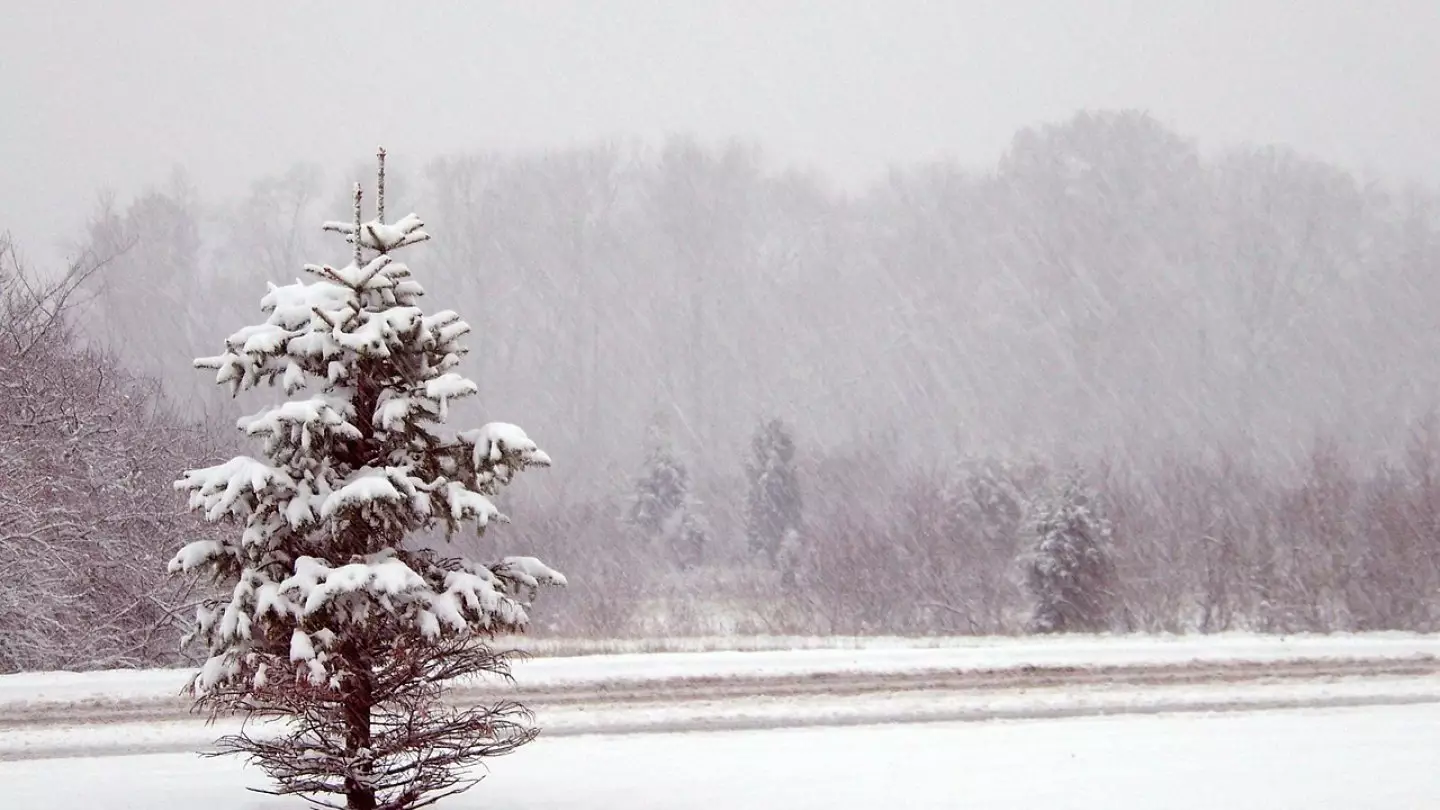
{"x":1069,"y":572}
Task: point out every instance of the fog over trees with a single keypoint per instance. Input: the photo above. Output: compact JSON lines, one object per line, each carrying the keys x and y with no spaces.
{"x":1237,"y":347}
{"x":1103,"y":288}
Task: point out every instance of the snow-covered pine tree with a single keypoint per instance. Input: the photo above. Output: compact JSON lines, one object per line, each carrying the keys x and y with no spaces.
{"x":773,"y":507}
{"x":330,"y":618}
{"x":1070,"y":572}
{"x":663,"y":511}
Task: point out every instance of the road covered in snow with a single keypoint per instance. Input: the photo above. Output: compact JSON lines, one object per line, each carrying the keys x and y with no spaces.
{"x":67,"y":715}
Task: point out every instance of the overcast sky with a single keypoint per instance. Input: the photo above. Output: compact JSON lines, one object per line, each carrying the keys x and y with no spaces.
{"x":96,"y":94}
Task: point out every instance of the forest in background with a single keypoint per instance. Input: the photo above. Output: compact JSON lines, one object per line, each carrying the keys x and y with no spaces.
{"x":1237,"y":348}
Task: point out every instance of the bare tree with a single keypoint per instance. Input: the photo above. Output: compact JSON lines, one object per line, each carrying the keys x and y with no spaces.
{"x":85,"y":450}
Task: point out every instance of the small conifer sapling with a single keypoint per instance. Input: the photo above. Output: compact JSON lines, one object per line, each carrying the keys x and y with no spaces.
{"x":328,"y":619}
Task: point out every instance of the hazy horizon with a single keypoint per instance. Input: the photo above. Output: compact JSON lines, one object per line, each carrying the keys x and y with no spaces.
{"x":114,"y":98}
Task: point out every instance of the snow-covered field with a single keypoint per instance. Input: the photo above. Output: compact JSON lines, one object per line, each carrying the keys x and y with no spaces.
{"x":1336,"y":759}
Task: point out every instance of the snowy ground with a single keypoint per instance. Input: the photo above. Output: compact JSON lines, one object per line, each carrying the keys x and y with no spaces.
{"x":1336,"y":759}
{"x":1111,"y":722}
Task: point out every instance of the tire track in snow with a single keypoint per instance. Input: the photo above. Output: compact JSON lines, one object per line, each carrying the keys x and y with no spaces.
{"x":101,"y":711}
{"x":701,"y":723}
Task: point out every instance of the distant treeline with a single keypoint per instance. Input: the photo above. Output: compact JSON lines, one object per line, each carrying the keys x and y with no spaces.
{"x":1240,"y":350}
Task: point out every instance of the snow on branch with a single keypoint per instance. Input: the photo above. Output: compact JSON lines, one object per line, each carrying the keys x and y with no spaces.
{"x":316,"y":583}
{"x":376,"y":235}
{"x":499,"y":444}
{"x":233,"y":488}
{"x":466,"y":504}
{"x":528,"y":571}
{"x":376,"y":487}
{"x":301,"y":424}
{"x":194,"y":555}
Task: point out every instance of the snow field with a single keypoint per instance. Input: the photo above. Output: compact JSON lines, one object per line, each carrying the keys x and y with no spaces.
{"x":1377,"y":758}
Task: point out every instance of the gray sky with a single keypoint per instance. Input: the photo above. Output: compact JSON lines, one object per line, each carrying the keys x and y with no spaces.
{"x":116,"y":94}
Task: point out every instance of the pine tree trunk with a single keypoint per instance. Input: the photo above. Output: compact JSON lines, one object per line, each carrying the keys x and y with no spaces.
{"x":359,"y":699}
